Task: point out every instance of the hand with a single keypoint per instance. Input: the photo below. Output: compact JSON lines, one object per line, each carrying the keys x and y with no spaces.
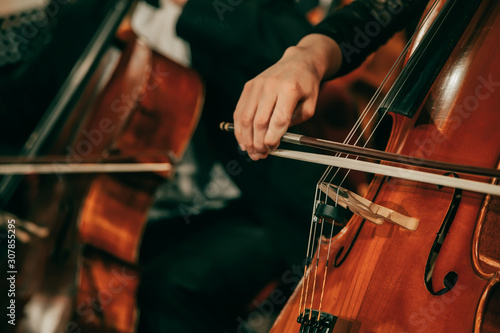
{"x":283,"y":95}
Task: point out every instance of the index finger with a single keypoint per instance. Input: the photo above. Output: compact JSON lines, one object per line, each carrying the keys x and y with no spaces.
{"x":280,"y":119}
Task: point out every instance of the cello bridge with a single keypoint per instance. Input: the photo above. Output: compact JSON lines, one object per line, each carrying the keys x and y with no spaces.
{"x":315,"y":321}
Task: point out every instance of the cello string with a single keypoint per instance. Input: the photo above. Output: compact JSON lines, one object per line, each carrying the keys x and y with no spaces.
{"x":305,"y":284}
{"x":378,"y":92}
{"x":376,"y":95}
{"x":358,"y":124}
{"x":397,"y":93}
{"x":425,"y":19}
{"x":318,"y":194}
{"x":321,"y":220}
{"x":367,"y":109}
{"x":310,"y":245}
{"x":328,"y":170}
{"x":391,"y":72}
{"x":349,"y":136}
{"x":327,"y":257}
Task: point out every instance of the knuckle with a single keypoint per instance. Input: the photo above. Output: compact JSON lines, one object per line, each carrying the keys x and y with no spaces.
{"x":261,"y":149}
{"x":237,"y":115}
{"x":248,"y":85}
{"x":270,"y":142}
{"x":291,"y":86}
{"x":280,"y":120}
{"x":261,"y":122}
{"x":272,"y":81}
{"x":245,"y":120}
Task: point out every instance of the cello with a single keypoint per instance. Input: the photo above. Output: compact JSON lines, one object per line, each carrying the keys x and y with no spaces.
{"x":86,"y":269}
{"x":442,"y":274}
{"x":113,"y":215}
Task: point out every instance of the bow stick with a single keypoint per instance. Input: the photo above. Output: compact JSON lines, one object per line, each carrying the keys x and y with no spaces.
{"x":386,"y":170}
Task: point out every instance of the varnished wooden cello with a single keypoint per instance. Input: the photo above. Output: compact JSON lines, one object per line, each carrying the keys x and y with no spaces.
{"x":443,"y":276}
{"x":114,"y":212}
{"x":97,"y":222}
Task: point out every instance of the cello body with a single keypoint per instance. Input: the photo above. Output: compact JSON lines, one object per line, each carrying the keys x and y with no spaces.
{"x":144,"y":110}
{"x":383,"y":278}
{"x":159,"y":103}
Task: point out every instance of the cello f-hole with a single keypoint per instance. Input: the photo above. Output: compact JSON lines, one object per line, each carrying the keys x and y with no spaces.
{"x":451,"y":277}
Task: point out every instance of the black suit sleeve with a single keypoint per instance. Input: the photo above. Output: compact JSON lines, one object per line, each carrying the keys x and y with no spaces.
{"x":364,"y":25}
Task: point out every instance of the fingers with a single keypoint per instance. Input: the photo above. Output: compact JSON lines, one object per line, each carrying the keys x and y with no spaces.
{"x":262,"y":116}
{"x":252,"y":115}
{"x":267,"y":103}
{"x":284,"y":94}
{"x":243,"y":117}
{"x":287,"y":112}
{"x":261,"y":124}
{"x":304,"y":110}
{"x":281,"y":117}
{"x":264,"y":113}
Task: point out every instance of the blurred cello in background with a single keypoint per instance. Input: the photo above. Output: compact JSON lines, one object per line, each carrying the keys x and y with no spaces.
{"x":443,"y":276}
{"x":135,"y":106}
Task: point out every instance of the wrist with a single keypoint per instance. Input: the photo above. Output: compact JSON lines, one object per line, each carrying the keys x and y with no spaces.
{"x":320,"y":52}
